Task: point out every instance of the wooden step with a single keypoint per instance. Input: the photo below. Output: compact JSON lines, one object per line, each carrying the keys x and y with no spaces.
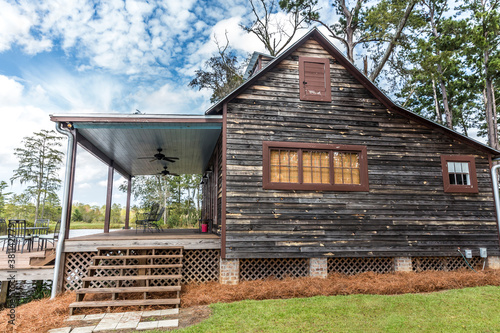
{"x":131,"y":302}
{"x":127,"y":290}
{"x":123,"y":248}
{"x":131,"y":277}
{"x":48,"y":259}
{"x":135,"y":266}
{"x":145,"y":256}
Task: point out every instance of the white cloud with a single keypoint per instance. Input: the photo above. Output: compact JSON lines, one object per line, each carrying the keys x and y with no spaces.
{"x":11,"y":91}
{"x":173,"y":99}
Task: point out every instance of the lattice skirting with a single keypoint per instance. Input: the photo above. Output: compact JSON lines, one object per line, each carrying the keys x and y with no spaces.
{"x":420,"y":264}
{"x":198,"y":266}
{"x":351,"y":266}
{"x":256,"y":269}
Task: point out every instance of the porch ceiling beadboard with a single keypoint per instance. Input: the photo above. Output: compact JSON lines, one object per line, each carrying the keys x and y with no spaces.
{"x":124,"y":139}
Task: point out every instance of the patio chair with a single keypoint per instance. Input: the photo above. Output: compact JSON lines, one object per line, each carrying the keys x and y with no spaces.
{"x":40,"y":223}
{"x":156,"y":222}
{"x":143,"y":219}
{"x":19,"y":232}
{"x":4,"y":237}
{"x":44,"y":239}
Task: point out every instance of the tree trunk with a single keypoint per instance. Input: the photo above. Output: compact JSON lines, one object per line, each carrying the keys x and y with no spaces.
{"x":447,"y":111}
{"x":439,"y":117}
{"x":393,"y":41}
{"x":491,"y":114}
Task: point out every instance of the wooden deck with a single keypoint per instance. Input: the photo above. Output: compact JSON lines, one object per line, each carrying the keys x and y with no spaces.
{"x":187,"y":238}
{"x":22,"y":269}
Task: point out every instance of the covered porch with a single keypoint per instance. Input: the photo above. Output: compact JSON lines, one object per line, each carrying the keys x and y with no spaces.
{"x":135,"y":145}
{"x":138,"y":144}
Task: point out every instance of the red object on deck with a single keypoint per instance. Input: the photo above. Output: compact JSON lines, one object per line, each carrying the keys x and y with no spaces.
{"x":204,"y":228}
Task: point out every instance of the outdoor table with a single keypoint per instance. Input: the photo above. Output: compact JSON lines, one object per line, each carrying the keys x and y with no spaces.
{"x":36,"y":231}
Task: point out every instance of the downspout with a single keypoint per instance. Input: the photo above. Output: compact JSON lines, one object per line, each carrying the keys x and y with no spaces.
{"x":494,"y":178}
{"x":64,"y":214}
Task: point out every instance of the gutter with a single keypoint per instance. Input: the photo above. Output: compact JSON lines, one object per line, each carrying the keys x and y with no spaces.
{"x":494,"y":178}
{"x":64,"y":214}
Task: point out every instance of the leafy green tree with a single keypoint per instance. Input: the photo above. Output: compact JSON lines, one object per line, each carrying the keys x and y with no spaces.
{"x":39,"y":162}
{"x":180,"y":195}
{"x":361,"y":24}
{"x":482,"y":51}
{"x":3,"y":197}
{"x":436,"y":80}
{"x":116,"y":211}
{"x":222,"y":73}
{"x":77,"y":215}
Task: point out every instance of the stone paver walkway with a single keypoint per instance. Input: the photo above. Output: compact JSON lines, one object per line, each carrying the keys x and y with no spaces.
{"x":122,"y":320}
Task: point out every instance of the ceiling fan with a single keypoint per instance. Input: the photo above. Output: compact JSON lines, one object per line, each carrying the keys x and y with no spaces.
{"x":165,"y":172}
{"x":160,"y":157}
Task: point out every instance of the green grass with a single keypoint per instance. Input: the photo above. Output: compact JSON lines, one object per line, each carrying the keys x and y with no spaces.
{"x":462,"y":310}
{"x":94,"y":225}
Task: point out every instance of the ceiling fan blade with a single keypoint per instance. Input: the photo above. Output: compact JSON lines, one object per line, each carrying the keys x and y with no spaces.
{"x":174,"y":174}
{"x":143,"y":158}
{"x":169,"y":160}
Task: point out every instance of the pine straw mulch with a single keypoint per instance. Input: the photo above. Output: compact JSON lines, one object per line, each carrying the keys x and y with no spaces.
{"x":338,"y":284}
{"x":42,"y":315}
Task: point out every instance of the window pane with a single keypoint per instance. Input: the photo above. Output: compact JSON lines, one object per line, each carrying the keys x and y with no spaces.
{"x":316,"y":159}
{"x":275,"y":157}
{"x":306,"y":158}
{"x":294,"y":174}
{"x":284,"y":166}
{"x":275,"y":175}
{"x":337,"y":160}
{"x":458,"y":173}
{"x":347,"y":168}
{"x":338,"y":176}
{"x":354,"y":161}
{"x":325,"y":176}
{"x":355,"y":176}
{"x":347,"y":176}
{"x":466,"y":179}
{"x":307,"y":175}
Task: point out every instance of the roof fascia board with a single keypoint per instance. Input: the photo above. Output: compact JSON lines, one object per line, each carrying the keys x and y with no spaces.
{"x":92,"y":149}
{"x":136,"y":118}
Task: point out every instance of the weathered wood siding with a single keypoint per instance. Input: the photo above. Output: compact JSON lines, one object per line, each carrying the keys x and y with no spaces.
{"x":405,"y":212}
{"x":212,"y":189}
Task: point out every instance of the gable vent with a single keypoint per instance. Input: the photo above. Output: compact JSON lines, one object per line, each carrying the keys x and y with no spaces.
{"x":314,"y":75}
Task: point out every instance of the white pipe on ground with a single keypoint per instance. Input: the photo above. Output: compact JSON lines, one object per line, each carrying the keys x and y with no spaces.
{"x":64,"y":214}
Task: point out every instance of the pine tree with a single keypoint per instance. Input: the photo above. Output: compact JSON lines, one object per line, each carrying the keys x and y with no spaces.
{"x":39,"y":162}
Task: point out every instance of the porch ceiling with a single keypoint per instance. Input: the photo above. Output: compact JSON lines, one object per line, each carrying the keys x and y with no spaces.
{"x":124,"y":139}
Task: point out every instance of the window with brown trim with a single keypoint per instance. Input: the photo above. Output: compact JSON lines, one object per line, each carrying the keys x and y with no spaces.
{"x":314,"y":77}
{"x":459,"y":174}
{"x":318,"y":167}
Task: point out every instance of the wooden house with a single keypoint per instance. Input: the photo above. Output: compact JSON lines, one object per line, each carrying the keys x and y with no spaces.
{"x":308,"y":168}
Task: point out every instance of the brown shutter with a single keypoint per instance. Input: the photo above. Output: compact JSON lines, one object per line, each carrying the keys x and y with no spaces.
{"x":314,"y":75}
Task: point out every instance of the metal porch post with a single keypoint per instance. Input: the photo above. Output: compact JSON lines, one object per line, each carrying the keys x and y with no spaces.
{"x":109,"y":195}
{"x":127,"y":210}
{"x":71,"y":185}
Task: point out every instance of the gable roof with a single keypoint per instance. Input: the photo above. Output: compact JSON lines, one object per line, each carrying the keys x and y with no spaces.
{"x":367,"y":83}
{"x":253,"y":62}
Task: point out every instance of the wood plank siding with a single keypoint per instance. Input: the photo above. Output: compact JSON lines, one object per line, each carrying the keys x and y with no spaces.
{"x":404,"y":213}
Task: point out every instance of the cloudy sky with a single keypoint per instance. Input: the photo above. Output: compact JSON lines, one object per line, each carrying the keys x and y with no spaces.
{"x":78,"y":56}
